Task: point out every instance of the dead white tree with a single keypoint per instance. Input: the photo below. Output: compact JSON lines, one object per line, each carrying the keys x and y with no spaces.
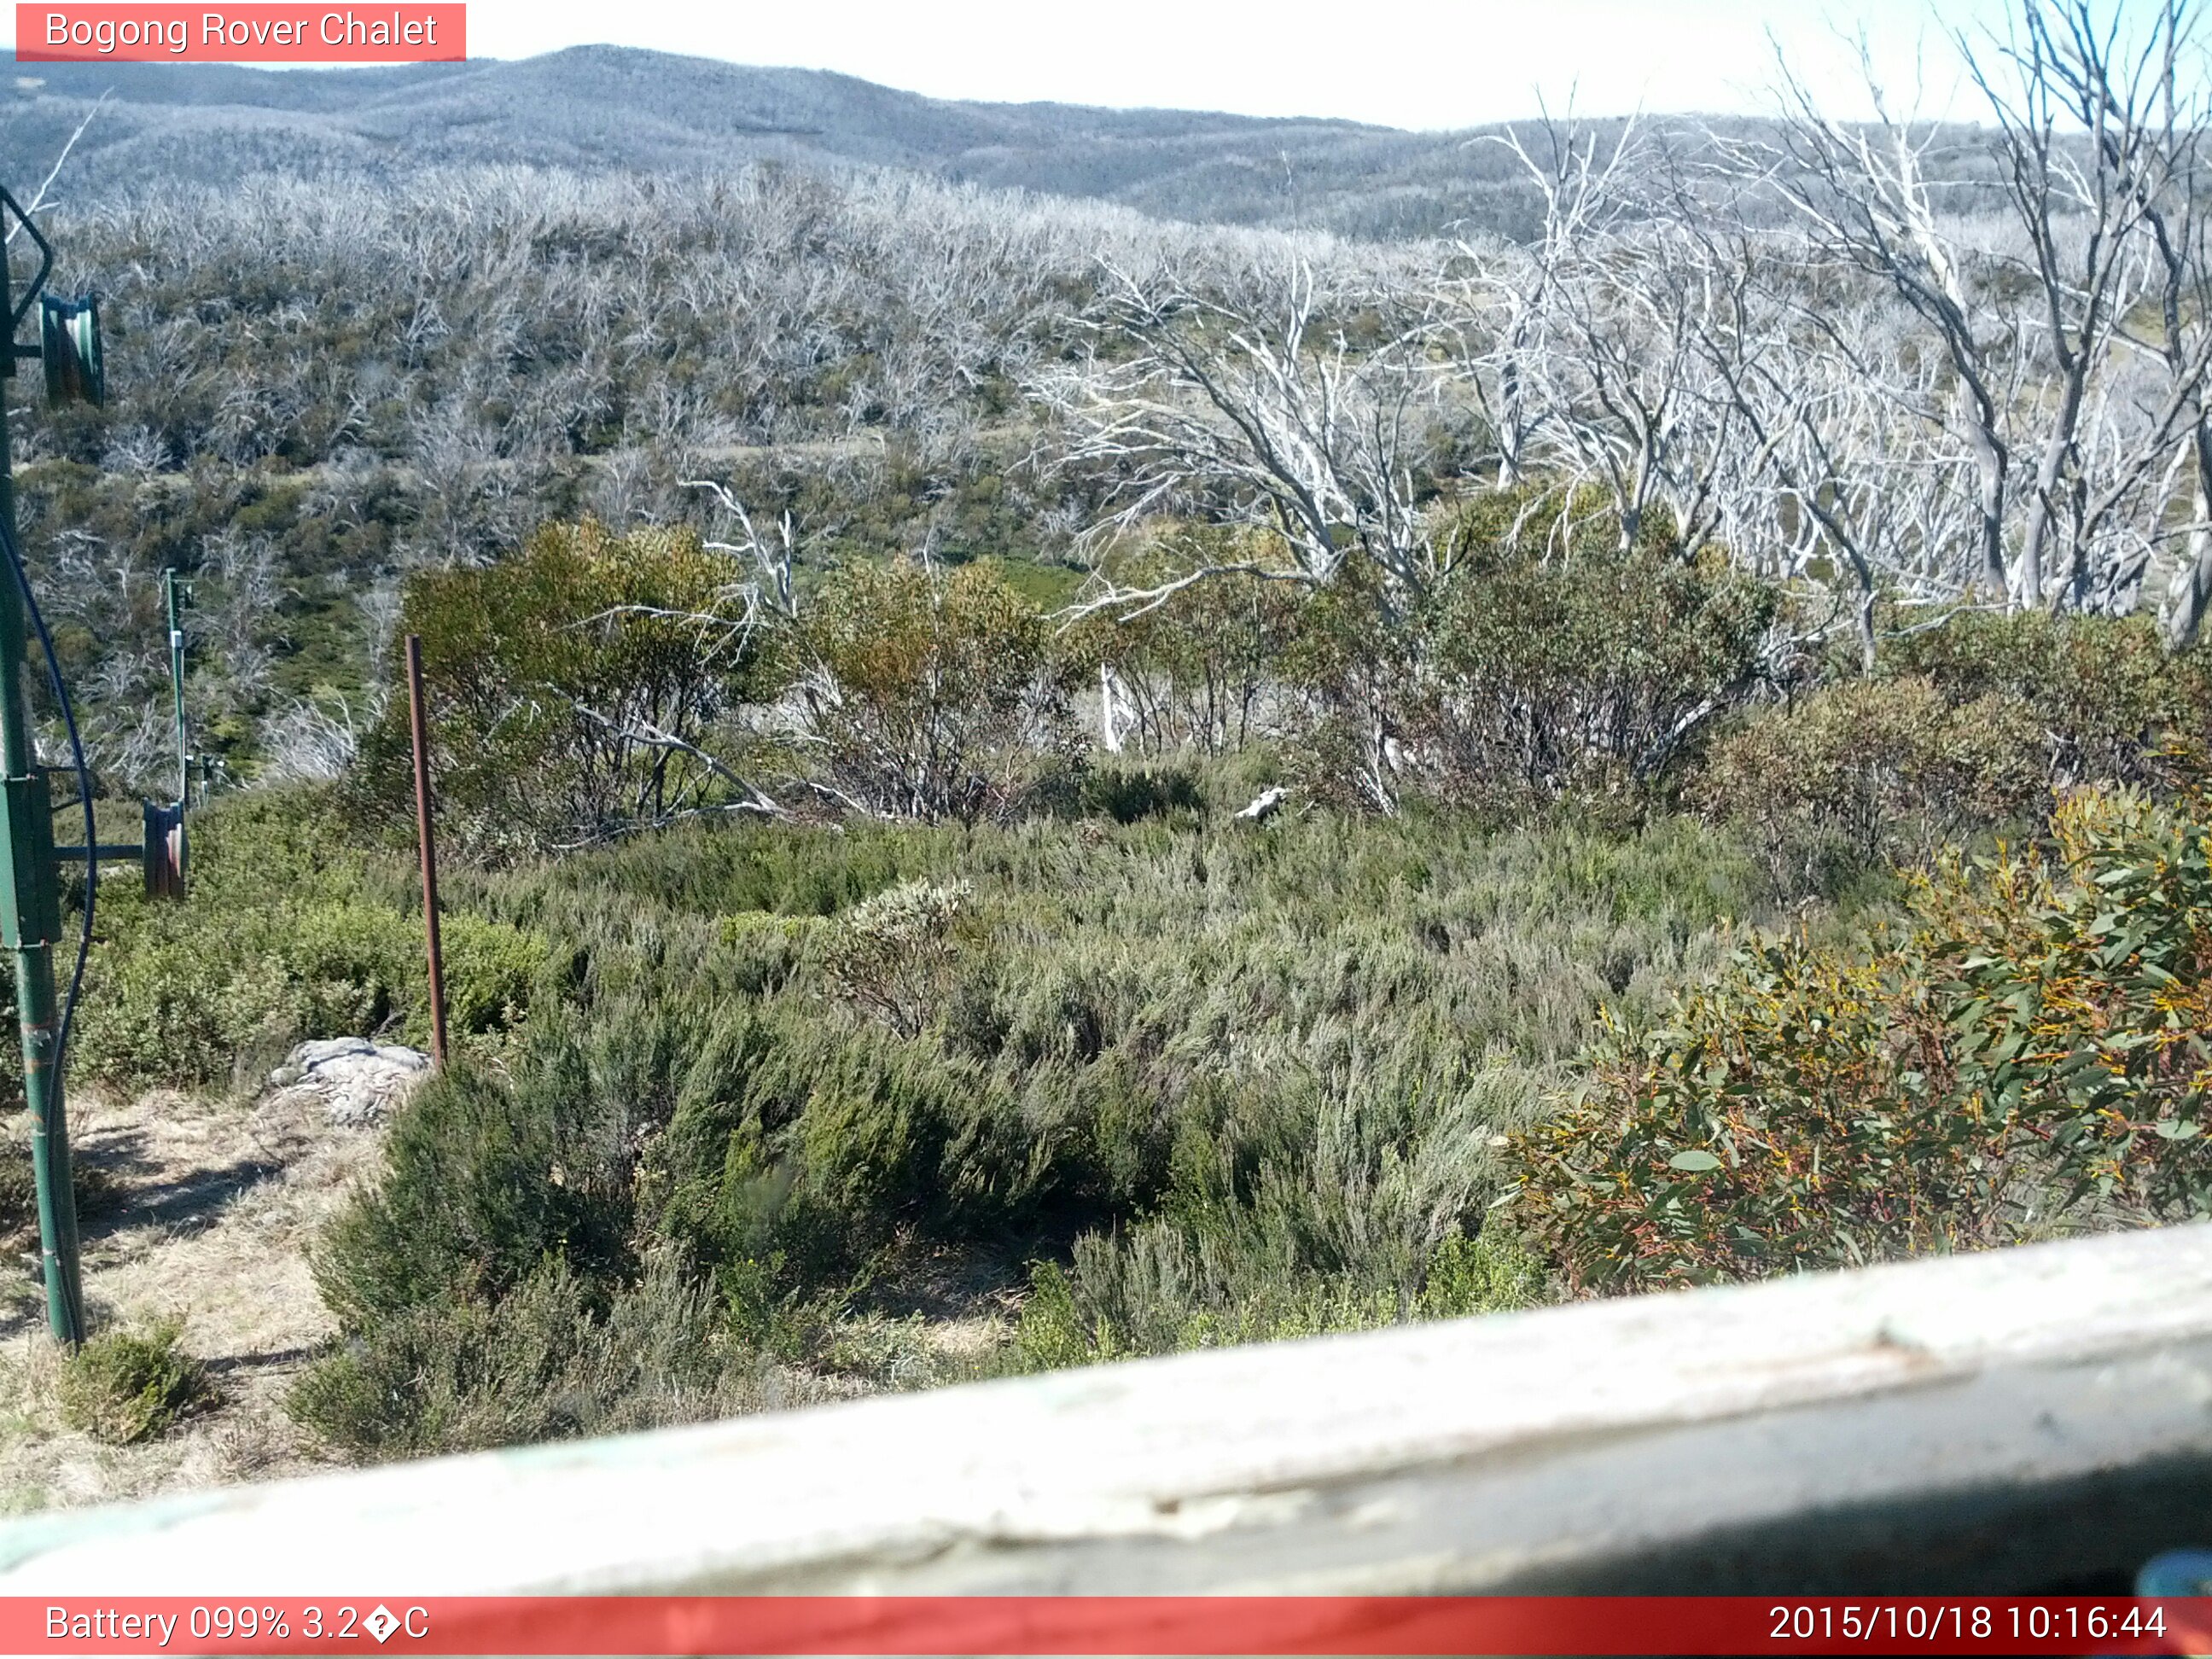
{"x":1865,"y":192}
{"x":1265,"y":408}
{"x":2042,"y":318}
{"x":40,"y":200}
{"x":1599,"y":370}
{"x":1510,"y":296}
{"x":769,"y":560}
{"x":2179,"y":231}
{"x":1847,"y":476}
{"x":2075,"y":105}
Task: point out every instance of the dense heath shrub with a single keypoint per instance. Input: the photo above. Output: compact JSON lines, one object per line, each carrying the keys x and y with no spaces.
{"x":125,"y":1386}
{"x":1239,"y":1079}
{"x":484,"y":1181}
{"x":1130,"y":794}
{"x":1162,"y":1290}
{"x":554,"y":1358}
{"x":1316,"y":1204}
{"x":1873,"y":772}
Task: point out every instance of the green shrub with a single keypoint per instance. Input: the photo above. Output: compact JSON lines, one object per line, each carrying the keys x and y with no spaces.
{"x":2025,"y":1051}
{"x":484,"y":1181}
{"x":1236,"y":1083}
{"x":1150,"y":1294}
{"x":183,"y":994}
{"x":892,"y":955}
{"x":1489,"y":1273}
{"x":2108,"y":698}
{"x":764,"y":950}
{"x":1130,"y":795}
{"x":1294,"y":1211}
{"x":124,"y":1387}
{"x":552,"y":1360}
{"x":931,"y":696}
{"x":570,"y":686}
{"x":798,"y":1141}
{"x":493,"y":973}
{"x":1873,"y":772}
{"x":1195,"y":671}
{"x":1589,"y":673}
{"x":283,"y":936}
{"x":1527,"y":676}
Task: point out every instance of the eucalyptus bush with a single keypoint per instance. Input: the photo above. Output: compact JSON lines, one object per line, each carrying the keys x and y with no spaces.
{"x":573,"y":687}
{"x":1871,"y":772}
{"x":926,"y":696}
{"x":2024,"y":1049}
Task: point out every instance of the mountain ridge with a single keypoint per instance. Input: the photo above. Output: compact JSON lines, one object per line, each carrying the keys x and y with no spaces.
{"x":614,"y":108}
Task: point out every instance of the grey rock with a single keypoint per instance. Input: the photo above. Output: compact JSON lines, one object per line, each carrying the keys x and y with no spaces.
{"x":359,"y":1081}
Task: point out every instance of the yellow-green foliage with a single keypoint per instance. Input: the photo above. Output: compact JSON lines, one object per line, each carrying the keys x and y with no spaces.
{"x":288,"y":931}
{"x":2026,"y":1048}
{"x":929,"y":697}
{"x":1876,"y":770}
{"x":565,"y":681}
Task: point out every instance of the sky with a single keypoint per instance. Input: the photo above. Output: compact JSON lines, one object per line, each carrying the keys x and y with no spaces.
{"x":1399,"y":63}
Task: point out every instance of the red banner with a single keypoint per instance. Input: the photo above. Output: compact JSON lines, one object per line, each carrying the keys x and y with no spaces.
{"x":1103,"y":1624}
{"x":257,"y":33}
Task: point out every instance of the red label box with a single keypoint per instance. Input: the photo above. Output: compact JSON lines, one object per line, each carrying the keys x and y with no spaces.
{"x":311,"y":33}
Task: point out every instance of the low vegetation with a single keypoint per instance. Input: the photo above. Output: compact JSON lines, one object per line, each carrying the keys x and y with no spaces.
{"x":2021,"y":1052}
{"x":1053,"y":1058}
{"x":125,"y":1386}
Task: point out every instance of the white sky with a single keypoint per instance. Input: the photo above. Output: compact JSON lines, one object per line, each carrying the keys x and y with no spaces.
{"x":1403,"y":62}
{"x":1400,"y":63}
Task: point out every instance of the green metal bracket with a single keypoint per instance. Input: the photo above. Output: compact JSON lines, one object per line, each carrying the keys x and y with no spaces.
{"x":30,"y":886}
{"x":30,"y":907}
{"x":69,"y":340}
{"x":108,"y":852}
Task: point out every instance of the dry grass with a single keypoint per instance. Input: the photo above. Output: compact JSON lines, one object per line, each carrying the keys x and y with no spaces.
{"x":215,"y":1203}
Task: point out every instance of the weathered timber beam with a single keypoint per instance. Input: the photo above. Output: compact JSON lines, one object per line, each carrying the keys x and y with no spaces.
{"x":2025,"y":1419}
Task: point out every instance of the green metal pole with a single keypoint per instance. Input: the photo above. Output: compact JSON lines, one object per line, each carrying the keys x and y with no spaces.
{"x":30,"y":919}
{"x":177,"y":683}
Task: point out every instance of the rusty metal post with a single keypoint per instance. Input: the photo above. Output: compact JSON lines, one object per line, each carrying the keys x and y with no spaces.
{"x":415,"y":721}
{"x":161,"y":853}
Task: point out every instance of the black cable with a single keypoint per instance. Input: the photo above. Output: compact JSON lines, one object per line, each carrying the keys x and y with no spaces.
{"x":83,"y":779}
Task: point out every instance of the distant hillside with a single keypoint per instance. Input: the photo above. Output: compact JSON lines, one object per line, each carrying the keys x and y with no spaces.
{"x":595,"y":107}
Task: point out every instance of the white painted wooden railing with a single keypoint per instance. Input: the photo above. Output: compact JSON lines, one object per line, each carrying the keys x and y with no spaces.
{"x":2030,"y":1420}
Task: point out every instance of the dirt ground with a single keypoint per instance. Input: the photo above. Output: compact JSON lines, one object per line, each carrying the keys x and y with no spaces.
{"x":202,"y":1210}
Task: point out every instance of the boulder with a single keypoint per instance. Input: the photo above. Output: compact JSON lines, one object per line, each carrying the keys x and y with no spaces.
{"x":1262,"y":804}
{"x":358,"y":1081}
